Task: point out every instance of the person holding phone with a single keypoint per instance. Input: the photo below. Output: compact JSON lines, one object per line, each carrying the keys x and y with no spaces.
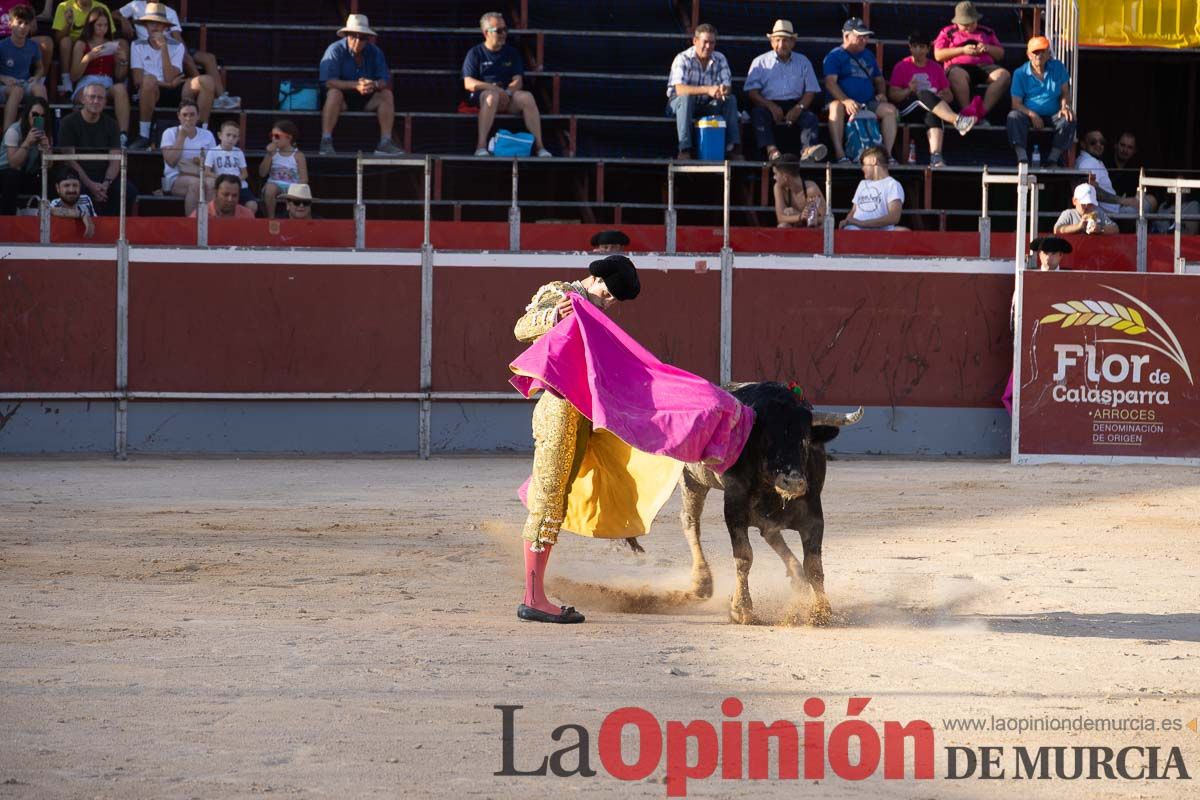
{"x":25,"y":141}
{"x":100,"y":58}
{"x":971,"y":54}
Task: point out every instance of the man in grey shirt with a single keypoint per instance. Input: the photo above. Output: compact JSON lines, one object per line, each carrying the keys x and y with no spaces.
{"x":1085,"y":216}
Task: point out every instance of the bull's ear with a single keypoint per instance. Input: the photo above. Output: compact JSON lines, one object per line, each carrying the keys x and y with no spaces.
{"x":824,"y":433}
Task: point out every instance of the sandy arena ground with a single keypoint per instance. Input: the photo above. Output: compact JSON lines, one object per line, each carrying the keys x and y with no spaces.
{"x":343,"y":628}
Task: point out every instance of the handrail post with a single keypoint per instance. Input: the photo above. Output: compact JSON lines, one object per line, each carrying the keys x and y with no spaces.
{"x":425,"y":240}
{"x":985,"y":221}
{"x":44,"y":208}
{"x":360,"y":209}
{"x":672,"y":219}
{"x":202,"y":218}
{"x":725,"y":208}
{"x":514,"y":214}
{"x":1142,"y":226}
{"x":829,"y":226}
{"x":1022,"y":203}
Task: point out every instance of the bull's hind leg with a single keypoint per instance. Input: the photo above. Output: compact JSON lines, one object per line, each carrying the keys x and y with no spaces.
{"x":737,"y":518}
{"x":812,"y":535}
{"x":693,"y":493}
{"x":795,"y":573}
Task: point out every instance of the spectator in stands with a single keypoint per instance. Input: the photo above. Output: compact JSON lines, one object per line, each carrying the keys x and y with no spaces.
{"x":879,"y":198}
{"x":71,"y":203}
{"x":69,"y":20}
{"x":283,"y":164}
{"x":1085,"y":216}
{"x":1124,"y":165}
{"x":799,"y":203}
{"x":45,"y":43}
{"x":854,"y":80}
{"x":163,"y":72}
{"x":1041,"y":97}
{"x":98,"y":58}
{"x":128,"y":16}
{"x":609,"y":242}
{"x":494,"y":73}
{"x":1091,"y":158}
{"x":228,"y":159}
{"x":1186,"y":227}
{"x":184,"y":151}
{"x":701,"y":85}
{"x":22,"y":71}
{"x":299,"y":201}
{"x":225,"y":200}
{"x":25,"y":141}
{"x":919,"y":89}
{"x":355,"y":77}
{"x":88,"y":131}
{"x":971,"y":54}
{"x":781,"y":86}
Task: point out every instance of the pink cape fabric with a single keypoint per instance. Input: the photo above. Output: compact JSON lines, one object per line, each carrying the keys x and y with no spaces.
{"x":621,"y":387}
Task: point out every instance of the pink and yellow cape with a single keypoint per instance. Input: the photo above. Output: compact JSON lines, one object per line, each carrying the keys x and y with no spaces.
{"x":648,"y":420}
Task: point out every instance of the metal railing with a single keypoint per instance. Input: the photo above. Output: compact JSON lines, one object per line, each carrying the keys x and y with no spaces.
{"x":1062,"y":29}
{"x":1177,"y":187}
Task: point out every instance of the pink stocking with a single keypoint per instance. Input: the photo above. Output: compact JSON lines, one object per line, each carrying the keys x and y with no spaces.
{"x":535,"y":575}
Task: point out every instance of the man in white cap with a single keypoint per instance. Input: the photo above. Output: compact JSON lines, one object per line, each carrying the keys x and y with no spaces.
{"x":355,"y":77}
{"x":1085,"y":216}
{"x":781,"y":86}
{"x":163,"y":73}
{"x":299,"y":201}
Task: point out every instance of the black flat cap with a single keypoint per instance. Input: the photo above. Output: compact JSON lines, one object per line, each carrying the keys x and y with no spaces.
{"x":619,"y":275}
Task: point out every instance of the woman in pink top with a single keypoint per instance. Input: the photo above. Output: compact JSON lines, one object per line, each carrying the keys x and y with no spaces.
{"x":971,"y":54}
{"x":919,"y":86}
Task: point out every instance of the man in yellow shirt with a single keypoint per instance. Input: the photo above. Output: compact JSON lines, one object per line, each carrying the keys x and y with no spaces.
{"x":69,"y":20}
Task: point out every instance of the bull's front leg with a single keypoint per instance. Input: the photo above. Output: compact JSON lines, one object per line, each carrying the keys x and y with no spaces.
{"x":795,"y":573}
{"x":693,"y":493}
{"x":737,"y":519}
{"x":812,"y":535}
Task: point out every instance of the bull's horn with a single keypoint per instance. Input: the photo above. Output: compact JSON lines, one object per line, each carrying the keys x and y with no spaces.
{"x":837,"y":420}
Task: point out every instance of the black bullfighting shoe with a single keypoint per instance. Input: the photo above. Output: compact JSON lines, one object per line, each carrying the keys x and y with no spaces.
{"x":569,"y":615}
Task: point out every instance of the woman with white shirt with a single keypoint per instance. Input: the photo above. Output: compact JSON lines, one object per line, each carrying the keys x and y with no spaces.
{"x":183,"y":149}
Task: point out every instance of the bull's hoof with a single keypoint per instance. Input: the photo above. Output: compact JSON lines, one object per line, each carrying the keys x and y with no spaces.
{"x":820,"y":615}
{"x":741,"y":614}
{"x":702,"y":586}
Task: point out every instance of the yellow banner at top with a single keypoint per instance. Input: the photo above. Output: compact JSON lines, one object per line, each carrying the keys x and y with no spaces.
{"x":1140,"y":23}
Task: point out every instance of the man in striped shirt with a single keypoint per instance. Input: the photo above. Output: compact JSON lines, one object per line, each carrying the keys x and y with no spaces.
{"x":701,"y":85}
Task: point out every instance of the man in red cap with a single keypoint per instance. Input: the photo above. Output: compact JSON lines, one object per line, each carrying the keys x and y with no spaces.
{"x":1041,"y":98}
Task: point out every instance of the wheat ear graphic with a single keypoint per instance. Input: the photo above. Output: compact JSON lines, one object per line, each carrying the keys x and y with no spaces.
{"x":1126,"y":319}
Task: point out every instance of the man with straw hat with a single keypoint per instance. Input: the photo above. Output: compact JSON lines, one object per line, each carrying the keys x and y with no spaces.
{"x":355,"y":77}
{"x":781,"y":86}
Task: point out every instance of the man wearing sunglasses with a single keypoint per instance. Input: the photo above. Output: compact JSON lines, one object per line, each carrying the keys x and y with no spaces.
{"x":355,"y":77}
{"x":1091,"y":158}
{"x":494,"y":73}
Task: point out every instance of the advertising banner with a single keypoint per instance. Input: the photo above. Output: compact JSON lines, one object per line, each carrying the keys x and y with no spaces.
{"x":1108,"y":368}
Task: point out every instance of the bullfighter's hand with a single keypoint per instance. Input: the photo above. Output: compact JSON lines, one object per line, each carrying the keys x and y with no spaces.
{"x":564,"y":308}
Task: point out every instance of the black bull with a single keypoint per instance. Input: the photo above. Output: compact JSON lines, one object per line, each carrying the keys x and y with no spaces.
{"x":775,"y":485}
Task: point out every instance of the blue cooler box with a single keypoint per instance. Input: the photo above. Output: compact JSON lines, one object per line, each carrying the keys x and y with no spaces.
{"x":711,"y":138}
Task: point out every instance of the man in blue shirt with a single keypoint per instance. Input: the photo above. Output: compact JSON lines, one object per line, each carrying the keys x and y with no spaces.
{"x":854,"y":81}
{"x":21,"y":66}
{"x":1041,"y":97}
{"x":781,"y":86}
{"x":354,"y":76}
{"x":494,"y":73}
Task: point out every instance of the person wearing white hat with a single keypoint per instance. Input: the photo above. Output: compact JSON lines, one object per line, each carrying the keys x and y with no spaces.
{"x":355,"y":77}
{"x":1085,"y":216}
{"x":299,"y":201}
{"x":162,"y":72}
{"x":781,"y":86}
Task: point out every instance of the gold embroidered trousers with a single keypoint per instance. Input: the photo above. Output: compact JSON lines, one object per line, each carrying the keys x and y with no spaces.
{"x":560,"y":435}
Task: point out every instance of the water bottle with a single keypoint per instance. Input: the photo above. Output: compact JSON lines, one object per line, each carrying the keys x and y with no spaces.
{"x":1037,"y":157}
{"x":912,"y":152}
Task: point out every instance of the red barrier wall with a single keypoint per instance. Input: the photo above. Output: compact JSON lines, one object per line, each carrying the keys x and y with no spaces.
{"x":1111,"y":253}
{"x":58,"y":326}
{"x":273,"y":327}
